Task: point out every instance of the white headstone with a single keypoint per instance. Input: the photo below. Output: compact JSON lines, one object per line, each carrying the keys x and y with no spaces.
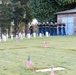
{"x":4,"y":37}
{"x":11,"y":36}
{"x":34,"y":34}
{"x":28,"y":36}
{"x":40,"y":35}
{"x":19,"y":34}
{"x":23,"y":34}
{"x":47,"y":35}
{"x":21,"y":37}
{"x":17,"y":37}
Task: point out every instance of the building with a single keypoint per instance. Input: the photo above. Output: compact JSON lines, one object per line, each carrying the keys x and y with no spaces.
{"x":69,"y":18}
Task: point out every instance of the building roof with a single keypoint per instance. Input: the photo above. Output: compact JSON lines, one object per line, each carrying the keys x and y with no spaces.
{"x":67,"y":11}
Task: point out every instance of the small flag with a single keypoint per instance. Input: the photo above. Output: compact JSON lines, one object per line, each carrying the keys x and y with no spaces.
{"x":29,"y":62}
{"x":16,"y":40}
{"x":52,"y":71}
{"x":45,"y":44}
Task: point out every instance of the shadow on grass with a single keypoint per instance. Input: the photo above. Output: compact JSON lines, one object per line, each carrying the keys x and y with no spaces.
{"x":71,"y":49}
{"x":23,"y":47}
{"x":13,"y":48}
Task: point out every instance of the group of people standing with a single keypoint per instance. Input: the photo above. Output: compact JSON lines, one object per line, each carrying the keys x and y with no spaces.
{"x":49,"y":28}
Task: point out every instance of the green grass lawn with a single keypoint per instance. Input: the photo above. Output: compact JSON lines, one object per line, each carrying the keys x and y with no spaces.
{"x":61,"y":52}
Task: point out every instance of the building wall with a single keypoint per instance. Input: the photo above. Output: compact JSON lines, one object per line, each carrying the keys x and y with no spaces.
{"x":59,"y":19}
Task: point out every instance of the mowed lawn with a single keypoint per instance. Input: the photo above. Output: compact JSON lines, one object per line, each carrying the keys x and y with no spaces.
{"x":60,"y":52}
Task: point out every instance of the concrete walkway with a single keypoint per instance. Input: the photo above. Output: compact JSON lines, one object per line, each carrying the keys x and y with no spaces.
{"x":49,"y":69}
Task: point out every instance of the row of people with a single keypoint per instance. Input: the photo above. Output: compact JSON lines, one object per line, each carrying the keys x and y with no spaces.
{"x":52,"y":29}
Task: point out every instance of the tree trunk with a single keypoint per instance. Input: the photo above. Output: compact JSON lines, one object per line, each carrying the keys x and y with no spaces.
{"x":26,"y":29}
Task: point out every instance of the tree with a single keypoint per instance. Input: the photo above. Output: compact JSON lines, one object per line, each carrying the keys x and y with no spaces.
{"x":44,"y":10}
{"x":21,"y":12}
{"x":5,"y":14}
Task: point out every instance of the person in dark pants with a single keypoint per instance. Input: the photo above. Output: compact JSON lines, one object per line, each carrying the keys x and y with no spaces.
{"x":31,"y":30}
{"x":47,"y":27}
{"x":39,"y":28}
{"x":43,"y":29}
{"x":55,"y":28}
{"x":63,"y":29}
{"x":59,"y":29}
{"x":51,"y":29}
